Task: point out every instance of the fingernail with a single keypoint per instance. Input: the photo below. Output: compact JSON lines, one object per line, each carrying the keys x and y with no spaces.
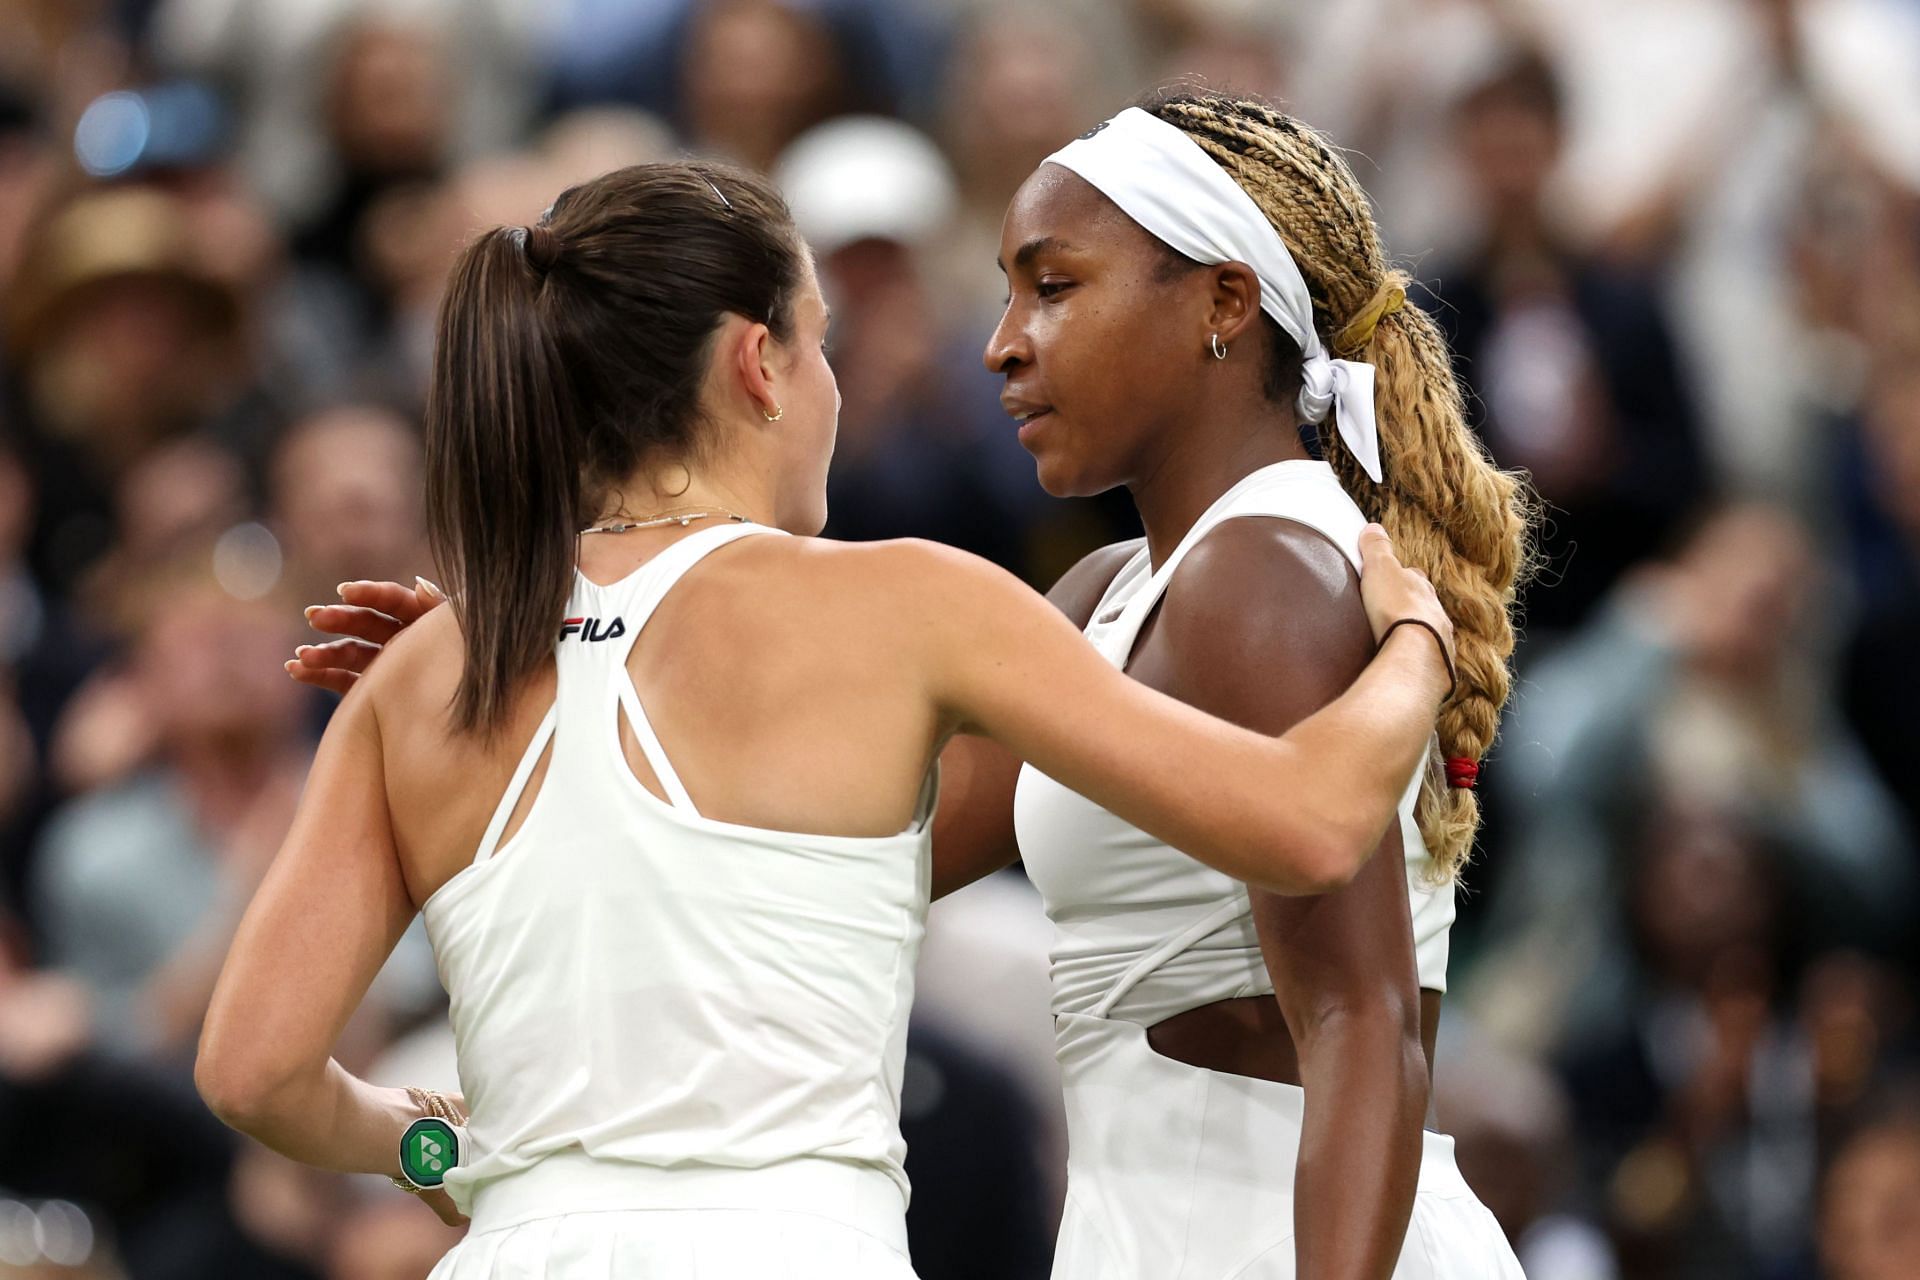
{"x":341,"y":590}
{"x":309,"y":611}
{"x":419,"y":581}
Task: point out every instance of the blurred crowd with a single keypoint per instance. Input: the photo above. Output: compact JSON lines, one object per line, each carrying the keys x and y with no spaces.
{"x":1676,"y":244}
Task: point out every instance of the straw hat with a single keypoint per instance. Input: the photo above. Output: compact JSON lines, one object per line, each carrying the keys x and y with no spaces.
{"x":101,"y":239}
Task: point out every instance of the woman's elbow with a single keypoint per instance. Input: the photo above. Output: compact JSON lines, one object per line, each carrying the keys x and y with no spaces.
{"x":239,"y":1091}
{"x":1313,"y":860}
{"x":1324,"y":846}
{"x":1336,"y":862}
{"x":1344,"y":839}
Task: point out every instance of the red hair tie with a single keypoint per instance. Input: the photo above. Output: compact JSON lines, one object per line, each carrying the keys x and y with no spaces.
{"x":1462,"y":772}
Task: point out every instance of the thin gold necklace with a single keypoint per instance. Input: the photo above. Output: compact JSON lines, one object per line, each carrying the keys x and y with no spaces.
{"x":683,"y":517}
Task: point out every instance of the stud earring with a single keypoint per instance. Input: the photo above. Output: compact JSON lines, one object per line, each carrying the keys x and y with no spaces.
{"x":1219,"y":347}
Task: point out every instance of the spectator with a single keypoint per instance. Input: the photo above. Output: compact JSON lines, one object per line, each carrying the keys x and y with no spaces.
{"x":1698,"y":681}
{"x":1870,"y":1211}
{"x":140,"y":883}
{"x":278,"y":57}
{"x":586,"y":143}
{"x":1022,"y":82}
{"x":1511,"y":1123}
{"x":1699,"y":128}
{"x":387,"y":112}
{"x":1573,"y":365}
{"x":1235,"y":49}
{"x":346,"y":499}
{"x":1385,"y":82}
{"x":756,"y":74}
{"x":1693,"y":1104}
{"x":923,"y":448}
{"x":124,"y":339}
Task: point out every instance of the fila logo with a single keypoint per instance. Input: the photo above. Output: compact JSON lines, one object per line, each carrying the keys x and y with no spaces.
{"x":593,"y":628}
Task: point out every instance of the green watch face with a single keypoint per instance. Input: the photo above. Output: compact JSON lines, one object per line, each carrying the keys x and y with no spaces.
{"x":428,"y":1149}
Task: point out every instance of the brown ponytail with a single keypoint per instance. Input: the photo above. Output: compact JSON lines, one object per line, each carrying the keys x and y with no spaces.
{"x":1451,"y":512}
{"x":567,"y":353}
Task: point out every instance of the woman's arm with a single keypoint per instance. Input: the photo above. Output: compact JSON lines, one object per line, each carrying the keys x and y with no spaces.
{"x":973,"y":828}
{"x":1263,"y":625}
{"x":973,"y":832}
{"x":326,"y":916}
{"x":1297,"y":814}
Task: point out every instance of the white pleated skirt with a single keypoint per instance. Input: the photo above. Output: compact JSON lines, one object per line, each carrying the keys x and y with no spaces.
{"x":675,"y":1244}
{"x":571,"y":1216}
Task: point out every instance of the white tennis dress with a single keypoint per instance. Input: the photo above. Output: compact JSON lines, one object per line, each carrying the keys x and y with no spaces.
{"x":1175,"y":1172}
{"x":681,"y":1039}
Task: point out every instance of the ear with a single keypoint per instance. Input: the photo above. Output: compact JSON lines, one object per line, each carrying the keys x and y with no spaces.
{"x":1233,"y":300}
{"x":754,"y":358}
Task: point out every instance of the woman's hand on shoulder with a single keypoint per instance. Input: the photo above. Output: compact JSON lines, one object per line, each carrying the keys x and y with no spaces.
{"x":1395,"y":594}
{"x":999,"y":660}
{"x":368,"y":617}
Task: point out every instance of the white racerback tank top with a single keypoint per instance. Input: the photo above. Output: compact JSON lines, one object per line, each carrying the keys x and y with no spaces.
{"x":655,"y":1009}
{"x":1142,"y":931}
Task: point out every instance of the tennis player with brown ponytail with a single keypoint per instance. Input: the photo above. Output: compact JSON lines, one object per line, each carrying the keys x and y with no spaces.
{"x":1247,"y":1074}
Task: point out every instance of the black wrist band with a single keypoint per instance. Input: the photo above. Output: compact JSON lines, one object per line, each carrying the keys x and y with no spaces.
{"x":1453,"y":677}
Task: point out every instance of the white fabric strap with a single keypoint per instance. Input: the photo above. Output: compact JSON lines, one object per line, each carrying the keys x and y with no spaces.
{"x":1164,"y":181}
{"x":517,"y":786}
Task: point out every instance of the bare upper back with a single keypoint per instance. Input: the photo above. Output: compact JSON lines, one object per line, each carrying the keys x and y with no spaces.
{"x":778,"y":675}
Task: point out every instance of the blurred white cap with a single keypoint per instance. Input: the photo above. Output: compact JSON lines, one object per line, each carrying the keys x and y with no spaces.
{"x":866,"y":177}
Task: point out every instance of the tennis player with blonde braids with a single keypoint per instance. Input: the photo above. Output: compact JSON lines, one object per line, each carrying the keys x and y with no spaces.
{"x":1247,"y":1073}
{"x":662,"y":780}
{"x":1188,"y":283}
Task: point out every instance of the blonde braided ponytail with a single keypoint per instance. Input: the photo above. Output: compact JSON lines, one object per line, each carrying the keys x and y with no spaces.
{"x":1451,"y":512}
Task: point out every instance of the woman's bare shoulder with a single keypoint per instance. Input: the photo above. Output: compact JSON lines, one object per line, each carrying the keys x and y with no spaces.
{"x":1260,"y":596}
{"x":418,"y":669}
{"x":897,"y":572}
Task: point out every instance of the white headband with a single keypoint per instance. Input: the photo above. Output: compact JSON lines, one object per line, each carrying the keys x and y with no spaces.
{"x":1163,"y":180}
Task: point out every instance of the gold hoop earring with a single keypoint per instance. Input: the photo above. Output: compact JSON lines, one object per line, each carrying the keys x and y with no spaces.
{"x":776,"y":415}
{"x":1219,"y":347}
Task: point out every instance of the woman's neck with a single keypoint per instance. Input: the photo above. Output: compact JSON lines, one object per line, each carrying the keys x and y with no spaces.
{"x":651,"y":493}
{"x":1208,"y":454}
{"x":705,"y":498}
